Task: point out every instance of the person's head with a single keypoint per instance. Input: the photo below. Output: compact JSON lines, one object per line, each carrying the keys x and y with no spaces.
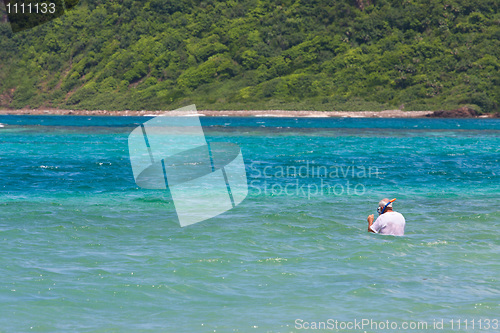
{"x":385,"y":205}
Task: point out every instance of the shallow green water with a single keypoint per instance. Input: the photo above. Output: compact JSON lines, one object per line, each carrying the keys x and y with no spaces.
{"x":84,"y":249}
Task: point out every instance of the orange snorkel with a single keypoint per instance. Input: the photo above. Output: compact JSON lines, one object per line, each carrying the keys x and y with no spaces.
{"x":387,"y":204}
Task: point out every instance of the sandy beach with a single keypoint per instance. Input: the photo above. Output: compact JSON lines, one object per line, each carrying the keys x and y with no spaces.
{"x":225,"y":113}
{"x":459,"y":113}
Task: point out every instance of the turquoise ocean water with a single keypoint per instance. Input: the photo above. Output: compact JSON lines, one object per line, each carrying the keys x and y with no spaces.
{"x":84,"y":249}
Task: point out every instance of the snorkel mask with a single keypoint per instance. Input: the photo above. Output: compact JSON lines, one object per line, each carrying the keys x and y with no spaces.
{"x":381,"y":211}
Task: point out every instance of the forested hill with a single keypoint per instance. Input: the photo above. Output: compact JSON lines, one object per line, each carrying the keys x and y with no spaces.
{"x":256,"y":54}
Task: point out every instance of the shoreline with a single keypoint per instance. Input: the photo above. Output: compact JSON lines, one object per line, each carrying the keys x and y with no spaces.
{"x":232,"y":113}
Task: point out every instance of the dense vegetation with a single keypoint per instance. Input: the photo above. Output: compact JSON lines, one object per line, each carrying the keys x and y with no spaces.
{"x":258,"y":54}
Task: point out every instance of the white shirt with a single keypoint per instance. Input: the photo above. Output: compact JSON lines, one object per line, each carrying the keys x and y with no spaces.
{"x":390,"y":223}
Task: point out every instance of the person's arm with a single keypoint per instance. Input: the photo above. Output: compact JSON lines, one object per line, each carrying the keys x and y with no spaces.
{"x":370,"y":222}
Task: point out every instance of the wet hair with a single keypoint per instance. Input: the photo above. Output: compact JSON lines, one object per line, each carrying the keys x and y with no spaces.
{"x":383,"y":202}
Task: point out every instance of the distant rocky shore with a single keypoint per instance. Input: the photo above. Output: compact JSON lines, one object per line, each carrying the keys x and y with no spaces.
{"x":464,"y":112}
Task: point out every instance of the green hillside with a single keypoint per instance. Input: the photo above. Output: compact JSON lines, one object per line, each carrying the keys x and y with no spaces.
{"x":253,"y":54}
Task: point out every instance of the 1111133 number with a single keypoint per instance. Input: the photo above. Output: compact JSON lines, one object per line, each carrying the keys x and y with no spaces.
{"x":481,"y":324}
{"x":37,"y":8}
